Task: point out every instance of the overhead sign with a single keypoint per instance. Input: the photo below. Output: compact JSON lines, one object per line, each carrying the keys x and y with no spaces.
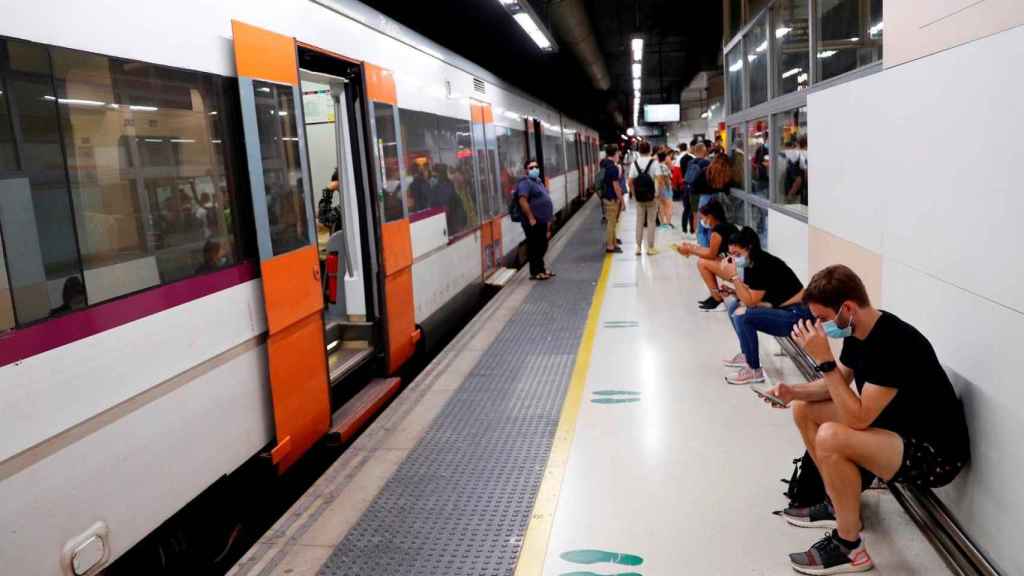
{"x":661,"y":112}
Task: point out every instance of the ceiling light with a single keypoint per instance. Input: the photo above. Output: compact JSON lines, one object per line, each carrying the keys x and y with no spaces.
{"x":630,"y":131}
{"x":143,"y":108}
{"x":876,"y":29}
{"x":736,"y":66}
{"x":802,"y":79}
{"x":623,"y":136}
{"x":792,"y":72}
{"x":80,"y":102}
{"x":636,"y":94}
{"x":827,"y":53}
{"x":705,"y":115}
{"x":762,"y":47}
{"x":855,"y":39}
{"x":636,"y":69}
{"x":508,"y":2}
{"x":526,"y":22}
{"x":637,"y":45}
{"x":636,"y":83}
{"x":782,"y":31}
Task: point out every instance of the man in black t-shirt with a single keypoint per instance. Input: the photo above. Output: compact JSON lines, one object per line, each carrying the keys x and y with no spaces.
{"x":903,"y":424}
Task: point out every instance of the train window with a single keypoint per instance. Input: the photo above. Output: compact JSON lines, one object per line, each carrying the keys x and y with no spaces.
{"x":571,"y":158}
{"x":456,"y":146}
{"x":511,"y":145}
{"x":553,"y":161}
{"x":491,"y":159}
{"x":282,"y":166}
{"x":35,"y":208}
{"x":390,"y":177}
{"x":148,"y":153}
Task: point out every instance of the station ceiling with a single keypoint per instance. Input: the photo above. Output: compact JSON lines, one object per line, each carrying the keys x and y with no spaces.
{"x":681,"y":38}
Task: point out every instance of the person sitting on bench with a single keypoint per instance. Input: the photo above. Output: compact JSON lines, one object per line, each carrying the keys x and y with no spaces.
{"x":768,"y":297}
{"x":710,"y":258}
{"x":903,"y":424}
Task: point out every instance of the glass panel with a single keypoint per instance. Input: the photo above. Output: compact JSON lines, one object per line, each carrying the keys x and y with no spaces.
{"x":791,"y":163}
{"x":282,"y":166}
{"x":791,"y":46}
{"x":571,"y":158}
{"x":757,"y":150}
{"x":456,"y":154}
{"x":423,"y":160}
{"x":735,"y":17}
{"x":738,"y":156}
{"x":148,"y":152}
{"x":484,"y":170}
{"x":735,"y":210}
{"x":553,"y":162}
{"x":492,"y":165}
{"x":849,"y":35}
{"x":6,"y":304}
{"x":43,"y":265}
{"x":759,"y":222}
{"x":755,"y":6}
{"x":390,"y":175}
{"x":735,"y":78}
{"x":756,"y":44}
{"x":511,"y":157}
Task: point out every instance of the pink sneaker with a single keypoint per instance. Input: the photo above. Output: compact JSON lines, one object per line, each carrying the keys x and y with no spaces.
{"x":746,"y":376}
{"x":737,"y":361}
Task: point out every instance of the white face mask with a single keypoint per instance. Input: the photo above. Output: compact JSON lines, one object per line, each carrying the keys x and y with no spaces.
{"x":793,"y":155}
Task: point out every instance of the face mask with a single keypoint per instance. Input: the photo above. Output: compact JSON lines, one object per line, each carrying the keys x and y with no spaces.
{"x":741,"y":262}
{"x":534,"y":173}
{"x":832,"y":329}
{"x":793,"y":155}
{"x":704,"y":224}
{"x":433,"y":181}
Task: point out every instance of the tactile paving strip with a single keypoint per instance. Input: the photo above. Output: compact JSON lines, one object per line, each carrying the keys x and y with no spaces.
{"x":460,"y":503}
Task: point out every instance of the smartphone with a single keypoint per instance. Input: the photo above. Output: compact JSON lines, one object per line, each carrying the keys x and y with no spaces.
{"x":766,"y":396}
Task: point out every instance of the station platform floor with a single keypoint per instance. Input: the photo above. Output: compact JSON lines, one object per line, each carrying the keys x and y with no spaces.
{"x":578,"y":427}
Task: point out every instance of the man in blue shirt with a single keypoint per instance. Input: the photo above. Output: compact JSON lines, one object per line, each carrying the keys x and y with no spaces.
{"x":611,"y":196}
{"x":535,"y":205}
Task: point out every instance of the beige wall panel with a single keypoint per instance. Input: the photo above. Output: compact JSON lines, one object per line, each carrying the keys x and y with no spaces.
{"x":917,"y":29}
{"x":824,"y":249}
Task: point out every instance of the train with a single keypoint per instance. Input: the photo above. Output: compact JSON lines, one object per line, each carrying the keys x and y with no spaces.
{"x":212,"y":213}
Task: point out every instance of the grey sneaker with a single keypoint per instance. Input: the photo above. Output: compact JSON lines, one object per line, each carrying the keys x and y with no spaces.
{"x":821,"y":515}
{"x":829,"y":556}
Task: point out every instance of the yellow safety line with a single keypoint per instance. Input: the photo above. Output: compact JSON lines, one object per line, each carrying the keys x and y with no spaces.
{"x":535,"y":543}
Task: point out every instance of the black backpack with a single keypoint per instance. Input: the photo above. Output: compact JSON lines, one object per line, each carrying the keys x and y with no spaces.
{"x":643,"y":184}
{"x":805,"y":486}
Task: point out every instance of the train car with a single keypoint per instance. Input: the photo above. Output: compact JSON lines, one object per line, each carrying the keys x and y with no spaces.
{"x":183,"y":276}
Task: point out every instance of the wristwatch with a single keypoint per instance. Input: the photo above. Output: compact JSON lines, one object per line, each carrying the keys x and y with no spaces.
{"x":826,"y":367}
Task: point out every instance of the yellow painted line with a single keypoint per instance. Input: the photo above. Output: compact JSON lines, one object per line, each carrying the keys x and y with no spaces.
{"x":535,"y":543}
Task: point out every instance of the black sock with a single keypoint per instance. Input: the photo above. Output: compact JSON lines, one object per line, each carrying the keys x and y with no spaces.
{"x":849,"y":545}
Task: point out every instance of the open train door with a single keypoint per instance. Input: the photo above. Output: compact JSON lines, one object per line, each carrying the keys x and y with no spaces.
{"x":268,"y":82}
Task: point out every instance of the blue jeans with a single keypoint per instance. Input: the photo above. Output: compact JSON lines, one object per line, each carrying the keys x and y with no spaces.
{"x":773,"y":321}
{"x":704,"y":234}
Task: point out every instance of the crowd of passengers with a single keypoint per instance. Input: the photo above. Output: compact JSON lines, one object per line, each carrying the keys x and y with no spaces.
{"x":901,"y":422}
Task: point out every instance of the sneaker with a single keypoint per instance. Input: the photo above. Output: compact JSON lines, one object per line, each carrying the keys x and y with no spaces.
{"x":737,"y":361}
{"x":821,"y":515}
{"x":829,"y":556}
{"x":638,"y":251}
{"x":618,"y":241}
{"x":746,"y":376}
{"x":709,"y":300}
{"x":712,"y":305}
{"x":616,"y":250}
{"x":652,"y":251}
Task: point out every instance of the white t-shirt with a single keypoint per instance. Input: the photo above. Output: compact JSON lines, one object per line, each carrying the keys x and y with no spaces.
{"x":642,"y":161}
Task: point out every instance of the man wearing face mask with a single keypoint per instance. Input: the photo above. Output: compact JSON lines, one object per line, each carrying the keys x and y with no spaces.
{"x":537,"y":210}
{"x":767,"y":297}
{"x":904,"y":423}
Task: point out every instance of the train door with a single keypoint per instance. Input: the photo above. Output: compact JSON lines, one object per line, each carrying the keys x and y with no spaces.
{"x":485,"y":147}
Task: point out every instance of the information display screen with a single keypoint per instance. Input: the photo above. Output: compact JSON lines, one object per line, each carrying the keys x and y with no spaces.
{"x":661,"y":112}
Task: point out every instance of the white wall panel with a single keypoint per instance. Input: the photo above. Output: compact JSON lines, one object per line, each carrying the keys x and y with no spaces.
{"x":429,"y":234}
{"x":440,"y":276}
{"x":787,"y":239}
{"x":978,"y":340}
{"x":136,"y":472}
{"x":511,"y":234}
{"x":77,"y":381}
{"x":849,"y":128}
{"x":917,"y":29}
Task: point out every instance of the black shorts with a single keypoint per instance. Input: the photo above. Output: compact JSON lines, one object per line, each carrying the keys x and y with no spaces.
{"x":925,"y":466}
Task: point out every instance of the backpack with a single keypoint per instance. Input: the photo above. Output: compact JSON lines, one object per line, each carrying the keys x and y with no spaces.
{"x":643,"y":184}
{"x":719,"y":173}
{"x":599,"y":183}
{"x":515,"y":213}
{"x":805,"y":486}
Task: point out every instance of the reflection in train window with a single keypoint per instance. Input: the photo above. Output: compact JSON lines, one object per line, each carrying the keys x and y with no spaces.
{"x":511,"y":159}
{"x":149,"y":160}
{"x":35,"y":210}
{"x":390,"y":173}
{"x":553,"y":162}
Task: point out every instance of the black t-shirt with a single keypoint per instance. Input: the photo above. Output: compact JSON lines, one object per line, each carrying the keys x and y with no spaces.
{"x":926,"y":408}
{"x":725,"y":230}
{"x":775,"y":277}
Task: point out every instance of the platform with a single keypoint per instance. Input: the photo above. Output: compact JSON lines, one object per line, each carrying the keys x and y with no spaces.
{"x":572,"y":418}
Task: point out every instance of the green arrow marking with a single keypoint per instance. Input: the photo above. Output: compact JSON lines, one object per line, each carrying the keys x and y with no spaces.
{"x":614,"y":400}
{"x":596,"y":556}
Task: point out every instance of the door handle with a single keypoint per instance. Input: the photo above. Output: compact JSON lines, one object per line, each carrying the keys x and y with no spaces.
{"x":316,"y":273}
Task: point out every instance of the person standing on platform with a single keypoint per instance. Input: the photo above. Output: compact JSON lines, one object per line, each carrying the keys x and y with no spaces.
{"x":537,"y":212}
{"x":663,"y":180}
{"x":611,"y":197}
{"x":644,"y":191}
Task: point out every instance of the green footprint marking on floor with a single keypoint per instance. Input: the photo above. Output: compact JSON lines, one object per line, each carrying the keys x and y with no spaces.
{"x":614,"y":400}
{"x":621,"y":324}
{"x":596,"y":574}
{"x":616,"y":393}
{"x":596,"y":556}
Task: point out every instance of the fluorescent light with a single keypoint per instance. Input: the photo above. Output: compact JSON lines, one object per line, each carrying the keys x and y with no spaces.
{"x":80,"y":102}
{"x":751,"y":57}
{"x":630,"y":131}
{"x":876,"y":29}
{"x":636,"y":94}
{"x":792,"y":72}
{"x":827,"y":53}
{"x":263,"y":89}
{"x":623,"y":136}
{"x":183,"y":140}
{"x":50,"y":98}
{"x":532,"y":30}
{"x":636,"y":83}
{"x":855,"y":39}
{"x":802,"y":79}
{"x":214,"y":113}
{"x":636,"y":69}
{"x":782,"y":31}
{"x":334,"y":344}
{"x":737,"y":66}
{"x":762,"y":47}
{"x":215,"y":141}
{"x":290,"y":139}
{"x":154,"y":140}
{"x":143,"y":108}
{"x":705,"y":115}
{"x":508,"y":2}
{"x":637,"y":45}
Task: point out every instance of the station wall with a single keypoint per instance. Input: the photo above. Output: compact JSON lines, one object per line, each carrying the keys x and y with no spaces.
{"x":916,"y":185}
{"x":917,"y":29}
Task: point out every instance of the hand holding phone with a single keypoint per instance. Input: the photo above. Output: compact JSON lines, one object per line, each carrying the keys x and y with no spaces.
{"x":769,"y":398}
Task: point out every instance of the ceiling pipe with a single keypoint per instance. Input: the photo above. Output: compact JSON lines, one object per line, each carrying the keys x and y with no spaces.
{"x":570,"y":21}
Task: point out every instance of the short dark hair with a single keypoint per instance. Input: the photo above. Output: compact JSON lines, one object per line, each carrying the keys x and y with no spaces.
{"x":833,"y":286}
{"x":530,"y":161}
{"x":645,"y":147}
{"x":747,"y":239}
{"x":708,"y":143}
{"x":714,"y":208}
{"x":682,"y":146}
{"x":611,"y":150}
{"x":662,"y":154}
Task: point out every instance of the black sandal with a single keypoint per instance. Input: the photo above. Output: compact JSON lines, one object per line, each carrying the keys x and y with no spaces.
{"x":541,"y":276}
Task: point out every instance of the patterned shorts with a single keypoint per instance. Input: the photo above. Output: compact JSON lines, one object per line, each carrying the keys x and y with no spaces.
{"x":925,"y":467}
